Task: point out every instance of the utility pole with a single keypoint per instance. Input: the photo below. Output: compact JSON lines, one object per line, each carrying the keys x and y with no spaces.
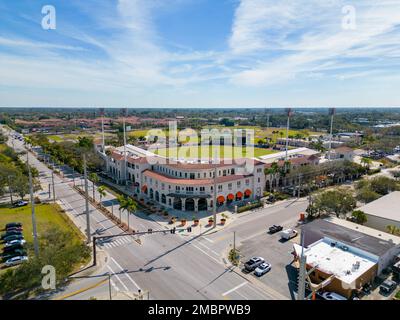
{"x":109,"y":285}
{"x":86,"y":200}
{"x":301,"y":292}
{"x":299,"y":191}
{"x":35,"y":239}
{"x":102,"y":129}
{"x":234,"y":241}
{"x":124,"y":114}
{"x":215,"y":194}
{"x":332,"y":112}
{"x":289,"y":114}
{"x":54,"y":188}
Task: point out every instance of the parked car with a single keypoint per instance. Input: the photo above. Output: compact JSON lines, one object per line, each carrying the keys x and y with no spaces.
{"x":14,"y":253}
{"x":332,"y":296}
{"x":20,"y":203}
{"x":288,"y":234}
{"x":15,"y":242}
{"x":262,"y":269}
{"x":13,"y":224}
{"x":387,"y":287}
{"x":13,"y":237}
{"x":14,"y":229}
{"x":253,"y":263}
{"x":16,"y":260}
{"x":9,"y":233}
{"x":275,"y":229}
{"x":12,"y":248}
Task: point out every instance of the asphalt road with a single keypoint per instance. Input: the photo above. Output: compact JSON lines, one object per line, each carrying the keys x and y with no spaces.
{"x":168,"y":266}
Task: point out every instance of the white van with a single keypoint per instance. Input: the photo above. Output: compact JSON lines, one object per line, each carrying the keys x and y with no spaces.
{"x":288,"y":234}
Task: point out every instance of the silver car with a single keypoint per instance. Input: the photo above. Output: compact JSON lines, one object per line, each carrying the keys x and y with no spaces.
{"x":262,"y":269}
{"x":11,"y":243}
{"x":16,"y":260}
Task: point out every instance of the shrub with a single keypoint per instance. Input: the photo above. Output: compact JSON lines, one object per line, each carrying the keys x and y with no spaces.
{"x":249,"y":207}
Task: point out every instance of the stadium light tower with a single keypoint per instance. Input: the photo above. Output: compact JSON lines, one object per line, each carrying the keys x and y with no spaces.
{"x":289,"y":113}
{"x":102,"y":129}
{"x":124,"y":112}
{"x":332,"y":112}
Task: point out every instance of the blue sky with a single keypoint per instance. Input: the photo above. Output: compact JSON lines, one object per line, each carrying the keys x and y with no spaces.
{"x":200,"y":53}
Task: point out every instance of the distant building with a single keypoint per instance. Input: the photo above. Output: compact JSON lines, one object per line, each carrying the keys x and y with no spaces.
{"x":383,"y":212}
{"x":342,"y":153}
{"x":293,"y":153}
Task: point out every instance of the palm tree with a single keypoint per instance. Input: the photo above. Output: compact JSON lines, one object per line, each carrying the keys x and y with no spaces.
{"x":273,"y":170}
{"x":122,"y":205}
{"x":131,"y":207}
{"x":102,"y":192}
{"x":366,"y":162}
{"x":393,"y":230}
{"x":94,"y":178}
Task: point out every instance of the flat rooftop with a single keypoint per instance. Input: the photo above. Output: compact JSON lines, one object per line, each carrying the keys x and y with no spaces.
{"x":292,"y":152}
{"x":386,"y":207}
{"x":346,"y":263}
{"x":319,"y":228}
{"x":366,"y":230}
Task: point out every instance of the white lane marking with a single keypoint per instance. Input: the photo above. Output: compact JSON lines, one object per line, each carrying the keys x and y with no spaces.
{"x":115,"y":275}
{"x":210,"y":256}
{"x":234,"y":289}
{"x":129,"y":277}
{"x":208,"y":248}
{"x":260,"y":293}
{"x":209,"y":240}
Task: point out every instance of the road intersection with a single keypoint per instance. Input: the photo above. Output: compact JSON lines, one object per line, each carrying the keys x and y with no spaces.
{"x":167,"y":266}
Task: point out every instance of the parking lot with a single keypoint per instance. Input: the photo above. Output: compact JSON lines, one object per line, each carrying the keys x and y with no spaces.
{"x":283,"y":276}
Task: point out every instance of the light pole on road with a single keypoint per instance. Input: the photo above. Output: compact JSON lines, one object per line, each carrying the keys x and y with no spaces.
{"x":86,"y":200}
{"x":35,"y":239}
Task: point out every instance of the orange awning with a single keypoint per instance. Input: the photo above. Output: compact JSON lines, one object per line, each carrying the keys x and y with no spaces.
{"x":247,"y":192}
{"x":144,"y":188}
{"x":221,"y":199}
{"x":231,"y":196}
{"x":239,"y":194}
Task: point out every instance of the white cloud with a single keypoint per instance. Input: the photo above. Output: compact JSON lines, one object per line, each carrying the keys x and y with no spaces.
{"x":310,"y":36}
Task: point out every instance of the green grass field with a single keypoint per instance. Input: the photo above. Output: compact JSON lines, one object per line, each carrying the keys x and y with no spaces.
{"x":207,"y":152}
{"x":47,"y":215}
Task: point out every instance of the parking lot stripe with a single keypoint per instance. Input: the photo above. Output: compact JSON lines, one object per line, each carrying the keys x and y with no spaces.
{"x":234,"y":289}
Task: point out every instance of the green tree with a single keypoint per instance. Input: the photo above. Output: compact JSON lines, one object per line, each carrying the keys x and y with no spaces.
{"x":102,"y":192}
{"x":95,"y":179}
{"x":336,"y":201}
{"x":366,"y":162}
{"x":359,"y":216}
{"x":130,"y":207}
{"x":383,"y":185}
{"x":367,"y":195}
{"x":122,"y":205}
{"x":393,"y":230}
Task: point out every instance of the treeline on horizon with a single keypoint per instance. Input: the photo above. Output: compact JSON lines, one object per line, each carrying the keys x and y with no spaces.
{"x":316,"y":119}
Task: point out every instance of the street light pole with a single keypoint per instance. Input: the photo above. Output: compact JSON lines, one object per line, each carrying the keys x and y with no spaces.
{"x":86,"y":200}
{"x":332,"y":113}
{"x":35,"y":239}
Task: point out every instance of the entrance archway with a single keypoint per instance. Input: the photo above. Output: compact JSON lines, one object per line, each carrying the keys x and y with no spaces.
{"x":177,"y":204}
{"x":189,"y":204}
{"x":157,"y":196}
{"x":151,"y":194}
{"x":202,"y":204}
